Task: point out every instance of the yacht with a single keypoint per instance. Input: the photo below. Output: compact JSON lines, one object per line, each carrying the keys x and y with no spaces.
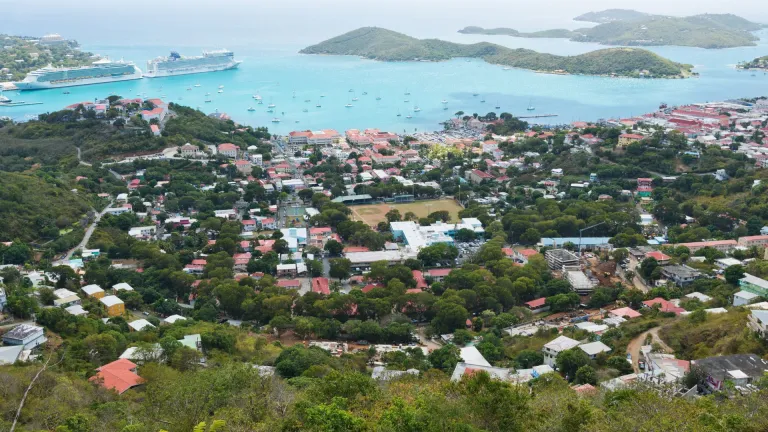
{"x":416,"y":108}
{"x":260,"y":102}
{"x":275,"y":120}
{"x":407,"y":93}
{"x":257,"y":96}
{"x":351,"y":90}
{"x":318,"y":105}
{"x":270,"y":110}
{"x":4,"y":99}
{"x":498,"y":107}
{"x":251,"y":109}
{"x":322,"y":95}
{"x":208,"y":94}
{"x":197,"y":85}
{"x":307,"y":100}
{"x":506,"y":68}
{"x":475,"y":94}
{"x":271,"y":105}
{"x":530,"y":106}
{"x":294,"y":94}
{"x":482,"y":100}
{"x":409,"y":116}
{"x":65,"y":92}
{"x":407,"y":100}
{"x":349,"y":105}
{"x":221,"y":91}
{"x":398,"y":113}
{"x":444,"y":101}
{"x":378,"y":97}
{"x":221,"y":86}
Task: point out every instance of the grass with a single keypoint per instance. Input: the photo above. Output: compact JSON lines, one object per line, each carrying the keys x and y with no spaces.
{"x":375,"y":213}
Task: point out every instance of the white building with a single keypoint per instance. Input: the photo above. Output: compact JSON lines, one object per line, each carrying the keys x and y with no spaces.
{"x":555,"y":347}
{"x":27,"y":335}
{"x":122,"y":286}
{"x":592,"y":349}
{"x":140,"y":324}
{"x":65,"y":297}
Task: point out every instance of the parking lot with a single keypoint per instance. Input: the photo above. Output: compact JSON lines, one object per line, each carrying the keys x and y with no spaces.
{"x":467,"y":250}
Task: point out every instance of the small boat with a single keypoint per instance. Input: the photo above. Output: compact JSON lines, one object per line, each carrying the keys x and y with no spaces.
{"x":296,"y":121}
{"x":251,"y":109}
{"x":475,"y":94}
{"x":221,"y":86}
{"x":482,"y":100}
{"x":398,"y":113}
{"x":260,"y":102}
{"x":163,"y":96}
{"x":305,"y":110}
{"x":275,"y":120}
{"x":318,"y":105}
{"x":506,"y":68}
{"x":349,"y":105}
{"x":189,"y":88}
{"x":365,"y":93}
{"x":270,"y":110}
{"x":406,"y":101}
{"x":416,"y":109}
{"x":354,"y":99}
{"x":257,"y":97}
{"x":407,"y":93}
{"x":221,"y":91}
{"x":530,"y":106}
{"x":207,"y":101}
{"x":207,"y":94}
{"x":322,"y":95}
{"x":444,"y":101}
{"x":498,"y":107}
{"x":378,"y":97}
{"x":271,"y":105}
{"x":294,"y":94}
{"x":65,"y":92}
{"x":445,"y":108}
{"x":409,"y":116}
{"x":307,"y":100}
{"x":351,"y":90}
{"x":197,"y":85}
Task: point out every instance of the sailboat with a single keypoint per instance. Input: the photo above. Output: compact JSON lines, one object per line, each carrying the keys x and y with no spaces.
{"x":444,"y":102}
{"x":498,"y":106}
{"x":275,"y":120}
{"x":197,"y":85}
{"x":305,"y":110}
{"x":294,"y":94}
{"x":354,"y":98}
{"x":398,"y":113}
{"x":365,"y":93}
{"x":416,"y":108}
{"x":348,"y":105}
{"x":257,"y":96}
{"x":409,"y":116}
{"x":251,"y":109}
{"x":221,"y":86}
{"x":318,"y":105}
{"x":351,"y":90}
{"x":530,"y":106}
{"x":378,"y":97}
{"x":271,"y":105}
{"x":407,"y":93}
{"x":221,"y":91}
{"x":482,"y":100}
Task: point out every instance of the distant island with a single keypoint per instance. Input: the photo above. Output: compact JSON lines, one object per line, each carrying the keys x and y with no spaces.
{"x":632,"y":28}
{"x":386,"y":45}
{"x":22,"y":54}
{"x":758,"y":63}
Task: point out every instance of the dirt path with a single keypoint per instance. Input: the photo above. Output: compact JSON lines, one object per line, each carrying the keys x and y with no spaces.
{"x":634,"y":346}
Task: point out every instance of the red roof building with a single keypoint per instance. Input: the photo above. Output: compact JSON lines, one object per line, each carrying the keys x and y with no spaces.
{"x":536,"y":304}
{"x":289,"y":283}
{"x":321,"y":285}
{"x":421,"y":284}
{"x":658,"y":256}
{"x":664,"y":305}
{"x":119,"y":375}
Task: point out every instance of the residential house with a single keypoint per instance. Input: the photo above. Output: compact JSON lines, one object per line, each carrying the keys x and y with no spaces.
{"x":93,"y":291}
{"x":721,"y":245}
{"x":555,"y":347}
{"x":140,"y":324}
{"x":243,"y":166}
{"x":681,"y":275}
{"x":749,"y":241}
{"x":739,"y":369}
{"x":120,"y":375}
{"x":476,"y":176}
{"x":65,"y":297}
{"x":10,"y":354}
{"x":758,"y":321}
{"x":122,"y":286}
{"x":27,"y":335}
{"x":115,"y":306}
{"x":592,"y":349}
{"x":754,"y":284}
{"x":538,"y":305}
{"x":228,"y":150}
{"x":664,"y":305}
{"x":437,"y":275}
{"x":627,"y":139}
{"x":321,"y":285}
{"x":743,"y":298}
{"x":188,"y":150}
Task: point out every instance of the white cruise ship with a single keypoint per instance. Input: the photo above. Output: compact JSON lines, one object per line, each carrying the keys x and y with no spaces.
{"x":100,"y":71}
{"x":175,"y":64}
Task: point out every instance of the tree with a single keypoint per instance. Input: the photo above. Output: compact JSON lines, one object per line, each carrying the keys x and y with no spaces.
{"x":445,"y":358}
{"x":333,"y":247}
{"x":462,"y":337}
{"x":280,"y":246}
{"x":527,"y":359}
{"x":393,"y":215}
{"x":733,"y":274}
{"x":648,"y":266}
{"x":569,"y":361}
{"x":315,"y":268}
{"x":46,"y":296}
{"x":586,"y":375}
{"x":464,"y":235}
{"x":450,"y":316}
{"x":341,"y":268}
{"x":530,"y":236}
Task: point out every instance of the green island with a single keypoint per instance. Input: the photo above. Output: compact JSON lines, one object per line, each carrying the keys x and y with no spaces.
{"x":631,"y":28}
{"x":758,"y":63}
{"x":21,"y":55}
{"x":386,"y":45}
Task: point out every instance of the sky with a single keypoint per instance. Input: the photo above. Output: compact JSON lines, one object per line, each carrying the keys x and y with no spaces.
{"x":303,"y":22}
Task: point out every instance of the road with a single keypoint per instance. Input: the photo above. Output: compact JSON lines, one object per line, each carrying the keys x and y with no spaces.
{"x":86,"y":237}
{"x":634,"y":346}
{"x":424,"y":340}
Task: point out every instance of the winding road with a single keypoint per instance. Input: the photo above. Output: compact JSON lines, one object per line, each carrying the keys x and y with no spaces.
{"x":634,"y":346}
{"x":86,"y":237}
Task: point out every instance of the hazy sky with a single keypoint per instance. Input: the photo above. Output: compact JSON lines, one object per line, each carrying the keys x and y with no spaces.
{"x":288,"y":22}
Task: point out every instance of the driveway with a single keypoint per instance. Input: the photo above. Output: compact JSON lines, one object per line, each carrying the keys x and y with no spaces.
{"x":86,"y":237}
{"x":634,"y":346}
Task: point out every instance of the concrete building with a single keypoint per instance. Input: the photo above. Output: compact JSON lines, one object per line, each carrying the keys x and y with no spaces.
{"x":592,"y":349}
{"x":681,"y":275}
{"x":115,"y":306}
{"x":26,"y":335}
{"x":93,"y":291}
{"x":758,"y":321}
{"x":754,"y":284}
{"x":555,"y":347}
{"x":558,"y":258}
{"x":580,"y":282}
{"x":228,"y":150}
{"x":739,"y":369}
{"x":721,"y":245}
{"x":743,"y":298}
{"x":362,"y":260}
{"x":65,"y":297}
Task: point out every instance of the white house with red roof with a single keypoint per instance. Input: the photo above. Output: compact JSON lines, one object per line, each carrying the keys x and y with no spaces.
{"x":157,"y":113}
{"x":227,"y":149}
{"x":243,"y":166}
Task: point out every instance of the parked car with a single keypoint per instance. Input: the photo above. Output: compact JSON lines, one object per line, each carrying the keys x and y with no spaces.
{"x":641,"y":365}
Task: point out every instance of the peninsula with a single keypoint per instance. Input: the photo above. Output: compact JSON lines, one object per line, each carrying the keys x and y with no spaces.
{"x":758,"y":63}
{"x":22,"y":54}
{"x":627,"y":27}
{"x":386,"y":45}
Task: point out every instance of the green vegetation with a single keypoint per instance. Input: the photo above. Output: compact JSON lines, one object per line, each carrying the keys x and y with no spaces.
{"x":21,"y":55}
{"x":386,"y":45}
{"x":35,"y":208}
{"x":758,"y":63}
{"x":620,"y":27}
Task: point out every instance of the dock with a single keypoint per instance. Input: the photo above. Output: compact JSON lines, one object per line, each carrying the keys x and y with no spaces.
{"x":18,"y":104}
{"x":537,"y":116}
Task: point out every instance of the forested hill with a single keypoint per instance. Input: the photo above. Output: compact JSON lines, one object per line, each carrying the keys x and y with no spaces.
{"x":386,"y":45}
{"x":703,"y":31}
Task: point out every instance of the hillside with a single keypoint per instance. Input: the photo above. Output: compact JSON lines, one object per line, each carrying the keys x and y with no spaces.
{"x":610,"y":15}
{"x":386,"y":45}
{"x":758,"y":63}
{"x":21,"y":55}
{"x":29,"y":205}
{"x":703,"y":31}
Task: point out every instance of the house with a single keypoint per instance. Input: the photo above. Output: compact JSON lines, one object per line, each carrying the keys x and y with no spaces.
{"x":188,"y":150}
{"x":627,"y":139}
{"x":721,"y":245}
{"x":243,"y":166}
{"x":10,"y":354}
{"x":228,"y":150}
{"x":754,"y":284}
{"x":173,"y":318}
{"x":119,"y":375}
{"x":318,"y":236}
{"x":758,"y":321}
{"x":472,"y":356}
{"x":681,"y":275}
{"x":739,"y":369}
{"x":155,"y":130}
{"x":93,"y":290}
{"x":26,"y":335}
{"x":142,"y":232}
{"x":295,"y":237}
{"x":140,"y":324}
{"x":749,"y":241}
{"x":289,"y":283}
{"x":624,"y":312}
{"x":438,"y":275}
{"x":321,"y":285}
{"x":664,"y":305}
{"x":65,"y":297}
{"x":76,"y":310}
{"x":286,"y":270}
{"x":523,"y":255}
{"x":249,"y":225}
{"x":555,"y":347}
{"x":659,"y":256}
{"x":115,"y":306}
{"x":476,"y":176}
{"x":592,"y":349}
{"x":743,"y":298}
{"x":538,"y":305}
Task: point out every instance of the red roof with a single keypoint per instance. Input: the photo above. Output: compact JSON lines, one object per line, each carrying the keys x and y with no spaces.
{"x":118,"y":375}
{"x":632,"y":136}
{"x":227,"y":147}
{"x":289,"y":283}
{"x":508,"y":251}
{"x":349,"y":249}
{"x":658,"y":255}
{"x":370,"y":287}
{"x":320,"y":285}
{"x":421,"y":284}
{"x":319,"y":230}
{"x":535,"y":304}
{"x":664,"y":305}
{"x":625,"y":312}
{"x":438,"y":272}
{"x":528,"y":252}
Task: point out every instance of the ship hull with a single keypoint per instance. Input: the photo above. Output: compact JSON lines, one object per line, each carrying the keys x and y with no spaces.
{"x":36,"y":85}
{"x":190,"y":71}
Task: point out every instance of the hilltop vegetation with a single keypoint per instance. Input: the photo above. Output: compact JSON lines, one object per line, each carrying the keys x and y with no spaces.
{"x":386,"y":45}
{"x":758,"y":63}
{"x":34,"y":208}
{"x":620,"y":27}
{"x":24,"y":55}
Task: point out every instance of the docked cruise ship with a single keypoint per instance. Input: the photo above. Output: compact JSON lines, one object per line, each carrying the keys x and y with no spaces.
{"x":100,"y":71}
{"x":176,"y":64}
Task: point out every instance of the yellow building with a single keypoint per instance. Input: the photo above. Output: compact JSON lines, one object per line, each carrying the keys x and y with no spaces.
{"x":93,"y":291}
{"x":627,"y":139}
{"x":115,"y":306}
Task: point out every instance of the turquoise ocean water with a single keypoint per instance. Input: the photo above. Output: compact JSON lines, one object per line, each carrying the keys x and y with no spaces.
{"x":278,"y":72}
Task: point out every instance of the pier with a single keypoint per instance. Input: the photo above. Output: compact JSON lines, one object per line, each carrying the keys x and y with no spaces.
{"x":537,"y":116}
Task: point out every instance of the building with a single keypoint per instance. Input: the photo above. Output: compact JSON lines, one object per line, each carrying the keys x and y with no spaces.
{"x":472,"y":356}
{"x":140,"y":324}
{"x":559,"y":258}
{"x":26,"y":335}
{"x":627,"y":139}
{"x":538,"y":305}
{"x":437,"y":275}
{"x":555,"y":347}
{"x":243,"y":166}
{"x":758,"y":321}
{"x":721,"y":245}
{"x":228,"y":150}
{"x":681,"y":275}
{"x":65,"y":297}
{"x":664,"y":305}
{"x":580,"y":282}
{"x":295,"y":237}
{"x":321,"y":285}
{"x":76,"y":310}
{"x":593,"y":349}
{"x":122,"y":286}
{"x":119,"y":375}
{"x":115,"y":306}
{"x":739,"y":369}
{"x":363,"y":260}
{"x":93,"y":290}
{"x":754,"y":284}
{"x":749,"y":241}
{"x":10,"y":354}
{"x":587,"y":243}
{"x":476,"y":176}
{"x":743,"y":298}
{"x":188,"y":150}
{"x":416,"y":236}
{"x":142,"y":232}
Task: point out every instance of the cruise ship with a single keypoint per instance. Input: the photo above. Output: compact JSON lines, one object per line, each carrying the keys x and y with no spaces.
{"x":100,"y":71}
{"x":175,"y":64}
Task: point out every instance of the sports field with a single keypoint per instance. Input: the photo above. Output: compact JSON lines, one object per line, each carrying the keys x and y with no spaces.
{"x":375,"y":213}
